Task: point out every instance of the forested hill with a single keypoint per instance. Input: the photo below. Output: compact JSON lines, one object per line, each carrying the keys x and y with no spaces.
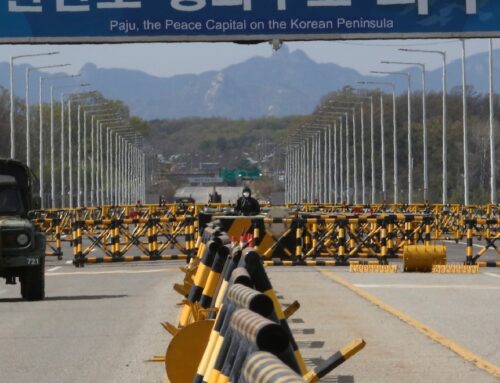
{"x":229,"y":142}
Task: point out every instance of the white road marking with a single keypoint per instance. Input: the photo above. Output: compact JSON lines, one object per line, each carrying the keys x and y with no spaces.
{"x":3,"y":292}
{"x":54,"y":268}
{"x":115,"y":272}
{"x":492,"y":275}
{"x":465,"y":244}
{"x":69,"y":262}
{"x":401,"y":286}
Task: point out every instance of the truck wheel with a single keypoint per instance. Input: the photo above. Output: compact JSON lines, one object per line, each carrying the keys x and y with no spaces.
{"x":33,"y":283}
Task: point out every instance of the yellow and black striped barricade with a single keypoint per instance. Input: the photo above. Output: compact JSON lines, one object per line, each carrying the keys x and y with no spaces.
{"x":116,"y":237}
{"x":252,"y":261}
{"x":77,"y":242}
{"x":264,"y":367}
{"x":199,"y":282}
{"x":214,"y":277}
{"x":192,"y":267}
{"x":254,"y":266}
{"x":270,"y":245}
{"x":489,"y":231}
{"x":201,"y":338}
{"x":230,"y":274}
{"x":52,"y":229}
{"x":237,"y":297}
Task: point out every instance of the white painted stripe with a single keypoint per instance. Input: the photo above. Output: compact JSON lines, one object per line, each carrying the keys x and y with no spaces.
{"x":54,"y":269}
{"x":492,"y":275}
{"x":401,"y":286}
{"x":69,"y":262}
{"x":465,"y":244}
{"x":114,"y":272}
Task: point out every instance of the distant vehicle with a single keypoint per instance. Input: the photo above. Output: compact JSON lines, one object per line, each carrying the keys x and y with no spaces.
{"x":22,"y":248}
{"x":185,"y":200}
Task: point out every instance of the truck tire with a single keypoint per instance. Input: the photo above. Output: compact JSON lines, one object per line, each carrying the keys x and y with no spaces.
{"x":33,"y":283}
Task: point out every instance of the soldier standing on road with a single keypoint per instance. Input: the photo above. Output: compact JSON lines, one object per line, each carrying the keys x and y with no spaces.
{"x":246,"y":205}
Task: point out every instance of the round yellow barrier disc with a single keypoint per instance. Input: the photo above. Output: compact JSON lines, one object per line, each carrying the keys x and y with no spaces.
{"x":185,"y":351}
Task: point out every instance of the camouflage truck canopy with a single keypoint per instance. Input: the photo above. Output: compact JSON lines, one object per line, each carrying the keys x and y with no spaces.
{"x":14,"y":170}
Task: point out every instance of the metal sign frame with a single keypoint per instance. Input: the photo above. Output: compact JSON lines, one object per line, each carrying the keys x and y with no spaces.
{"x":126,"y":21}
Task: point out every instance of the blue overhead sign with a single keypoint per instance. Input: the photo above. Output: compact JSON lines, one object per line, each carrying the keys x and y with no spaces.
{"x":73,"y":21}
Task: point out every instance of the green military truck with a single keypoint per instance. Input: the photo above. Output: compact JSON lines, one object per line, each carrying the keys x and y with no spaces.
{"x":22,"y":248}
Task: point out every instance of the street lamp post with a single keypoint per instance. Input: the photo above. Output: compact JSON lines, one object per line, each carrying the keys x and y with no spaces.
{"x":445,"y":123}
{"x":93,"y":109}
{"x":382,"y":144}
{"x":394,"y":130}
{"x":363,"y":167}
{"x":335,"y":124}
{"x":11,"y":73}
{"x":52,"y":143}
{"x":62,"y":145}
{"x":347,"y":153}
{"x":410,"y":153}
{"x":493,"y":192}
{"x":338,"y":164}
{"x":465,"y":126}
{"x":27,"y":90}
{"x":93,"y":157}
{"x":289,"y":173}
{"x":95,"y":154}
{"x":41,"y":144}
{"x":70,"y":148}
{"x":132,"y":141}
{"x":113,"y":176}
{"x":127,"y":135}
{"x":109,"y":168}
{"x":326,"y":182}
{"x":424,"y":122}
{"x":307,"y":156}
{"x":354,"y":147}
{"x":100,"y":178}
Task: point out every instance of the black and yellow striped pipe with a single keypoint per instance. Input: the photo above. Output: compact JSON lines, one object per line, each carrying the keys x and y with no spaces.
{"x":238,"y":296}
{"x":209,"y":291}
{"x":251,"y":332}
{"x":227,"y":273}
{"x":199,"y":280}
{"x":335,"y":360}
{"x":264,"y":367}
{"x":134,"y":258}
{"x":253,"y":263}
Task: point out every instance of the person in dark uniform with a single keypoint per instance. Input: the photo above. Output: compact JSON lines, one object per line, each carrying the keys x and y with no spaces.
{"x":246,"y":205}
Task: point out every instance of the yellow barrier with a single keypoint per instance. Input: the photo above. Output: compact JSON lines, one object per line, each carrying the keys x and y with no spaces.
{"x":422,"y":258}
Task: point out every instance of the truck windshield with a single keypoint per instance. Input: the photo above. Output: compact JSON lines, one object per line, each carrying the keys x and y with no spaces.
{"x":10,"y":201}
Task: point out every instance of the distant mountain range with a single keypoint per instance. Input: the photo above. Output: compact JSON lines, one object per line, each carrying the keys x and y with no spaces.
{"x":287,"y":83}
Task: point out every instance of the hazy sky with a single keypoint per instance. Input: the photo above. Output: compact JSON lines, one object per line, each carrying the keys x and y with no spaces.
{"x":164,"y":59}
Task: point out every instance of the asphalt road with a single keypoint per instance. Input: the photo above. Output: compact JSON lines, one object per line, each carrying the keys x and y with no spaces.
{"x":463,"y":309}
{"x":100,"y":323}
{"x":97,"y":324}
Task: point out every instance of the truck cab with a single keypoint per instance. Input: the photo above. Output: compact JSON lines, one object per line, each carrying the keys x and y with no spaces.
{"x":22,"y":247}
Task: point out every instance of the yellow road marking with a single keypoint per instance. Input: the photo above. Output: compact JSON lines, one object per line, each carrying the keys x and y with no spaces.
{"x":423,"y":328}
{"x":113,"y":272}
